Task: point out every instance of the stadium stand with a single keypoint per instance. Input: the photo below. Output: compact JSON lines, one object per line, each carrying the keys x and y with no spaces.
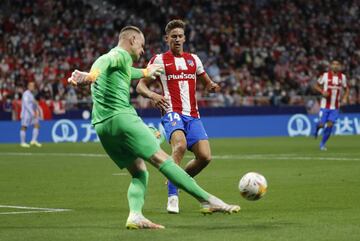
{"x":262,"y":52}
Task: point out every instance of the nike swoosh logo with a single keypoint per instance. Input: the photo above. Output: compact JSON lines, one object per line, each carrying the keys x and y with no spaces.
{"x":168,"y":64}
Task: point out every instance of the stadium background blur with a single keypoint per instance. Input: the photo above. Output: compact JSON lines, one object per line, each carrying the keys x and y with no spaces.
{"x":262,"y":52}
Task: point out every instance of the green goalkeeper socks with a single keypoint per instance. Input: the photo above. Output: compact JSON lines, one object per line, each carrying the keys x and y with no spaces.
{"x":138,"y":185}
{"x":182,"y":180}
{"x":137,"y":190}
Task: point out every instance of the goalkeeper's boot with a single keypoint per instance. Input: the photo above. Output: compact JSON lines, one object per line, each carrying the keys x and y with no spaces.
{"x":138,"y":221}
{"x":215,"y":204}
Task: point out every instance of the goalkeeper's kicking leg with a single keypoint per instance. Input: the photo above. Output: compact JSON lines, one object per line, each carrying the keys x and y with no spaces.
{"x":165,"y":164}
{"x":181,"y":179}
{"x":126,"y":139}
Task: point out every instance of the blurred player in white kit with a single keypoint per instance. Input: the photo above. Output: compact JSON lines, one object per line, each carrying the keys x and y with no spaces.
{"x":29,"y":116}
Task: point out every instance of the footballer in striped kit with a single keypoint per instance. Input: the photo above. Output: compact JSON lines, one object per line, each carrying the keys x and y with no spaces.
{"x":181,"y":119}
{"x":330,"y":86}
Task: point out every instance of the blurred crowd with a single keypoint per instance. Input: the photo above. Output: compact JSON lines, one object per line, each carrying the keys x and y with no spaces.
{"x":261,"y":52}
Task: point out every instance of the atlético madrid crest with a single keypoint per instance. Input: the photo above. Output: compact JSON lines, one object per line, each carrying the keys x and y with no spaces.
{"x":190,"y":62}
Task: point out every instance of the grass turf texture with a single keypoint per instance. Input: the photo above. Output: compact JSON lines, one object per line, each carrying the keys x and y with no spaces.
{"x":312,"y":195}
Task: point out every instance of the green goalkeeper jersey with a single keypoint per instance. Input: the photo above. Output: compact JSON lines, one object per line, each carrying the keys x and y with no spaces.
{"x":111,"y":90}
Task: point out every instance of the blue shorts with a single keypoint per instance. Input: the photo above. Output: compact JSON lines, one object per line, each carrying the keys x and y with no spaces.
{"x":326,"y":115}
{"x":192,"y":127}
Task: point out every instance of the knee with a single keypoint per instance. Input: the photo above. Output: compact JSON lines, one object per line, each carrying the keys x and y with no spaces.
{"x":158,"y":158}
{"x":204,"y":158}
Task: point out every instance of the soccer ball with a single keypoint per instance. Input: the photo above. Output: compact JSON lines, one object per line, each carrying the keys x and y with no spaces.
{"x":252,"y":186}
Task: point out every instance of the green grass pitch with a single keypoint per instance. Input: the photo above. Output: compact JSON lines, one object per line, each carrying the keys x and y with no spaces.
{"x":312,"y":195}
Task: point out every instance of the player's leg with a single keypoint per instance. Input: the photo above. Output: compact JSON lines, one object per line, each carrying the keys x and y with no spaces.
{"x":178,"y":147}
{"x":326,"y":135}
{"x":113,"y":140}
{"x":181,"y":179}
{"x":25,"y":121}
{"x":197,"y":142}
{"x":202,"y":158}
{"x":142,"y":143}
{"x":35,"y":134}
{"x":136,"y":197}
{"x":138,"y":185}
{"x":332,"y":117}
{"x":323,"y":116}
{"x":23,"y":137}
{"x":175,"y":134}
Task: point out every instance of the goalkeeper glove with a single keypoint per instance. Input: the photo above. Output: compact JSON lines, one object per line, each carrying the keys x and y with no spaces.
{"x":80,"y":77}
{"x":153,"y":71}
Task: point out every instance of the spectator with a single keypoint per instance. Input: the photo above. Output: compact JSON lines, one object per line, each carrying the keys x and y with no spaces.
{"x":247,"y":46}
{"x":59,"y":106}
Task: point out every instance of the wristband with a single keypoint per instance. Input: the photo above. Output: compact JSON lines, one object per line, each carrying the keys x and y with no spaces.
{"x":145,"y":72}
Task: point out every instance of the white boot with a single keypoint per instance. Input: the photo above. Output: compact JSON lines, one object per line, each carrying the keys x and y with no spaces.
{"x":173,"y":204}
{"x":215,"y":204}
{"x":138,"y":221}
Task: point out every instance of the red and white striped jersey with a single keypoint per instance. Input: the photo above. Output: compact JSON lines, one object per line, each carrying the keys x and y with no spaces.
{"x":332,"y":84}
{"x":179,"y":81}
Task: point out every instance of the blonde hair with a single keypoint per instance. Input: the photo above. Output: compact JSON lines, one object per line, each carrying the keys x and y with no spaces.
{"x":124,"y":32}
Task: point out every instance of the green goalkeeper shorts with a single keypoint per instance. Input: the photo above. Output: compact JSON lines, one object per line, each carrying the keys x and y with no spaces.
{"x":125,"y":137}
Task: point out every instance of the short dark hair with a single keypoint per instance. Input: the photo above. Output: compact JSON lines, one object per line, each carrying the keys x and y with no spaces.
{"x":336,"y":60}
{"x":176,"y":23}
{"x":129,"y":28}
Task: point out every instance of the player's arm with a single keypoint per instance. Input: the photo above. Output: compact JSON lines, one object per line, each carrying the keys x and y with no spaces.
{"x":143,"y":89}
{"x":150,"y":72}
{"x":210,"y":85}
{"x":37,"y":108}
{"x":81,"y":77}
{"x":100,"y":65}
{"x":119,"y":60}
{"x":320,"y":90}
{"x":346,"y":94}
{"x":105,"y":62}
{"x":318,"y":87}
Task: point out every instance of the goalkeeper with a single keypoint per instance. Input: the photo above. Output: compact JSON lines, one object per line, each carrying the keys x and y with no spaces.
{"x":125,"y":137}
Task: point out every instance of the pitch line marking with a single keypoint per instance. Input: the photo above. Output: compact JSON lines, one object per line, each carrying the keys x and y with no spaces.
{"x":288,"y":156}
{"x":52,"y":154}
{"x":34,"y":210}
{"x":279,"y":157}
{"x":120,"y":174}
